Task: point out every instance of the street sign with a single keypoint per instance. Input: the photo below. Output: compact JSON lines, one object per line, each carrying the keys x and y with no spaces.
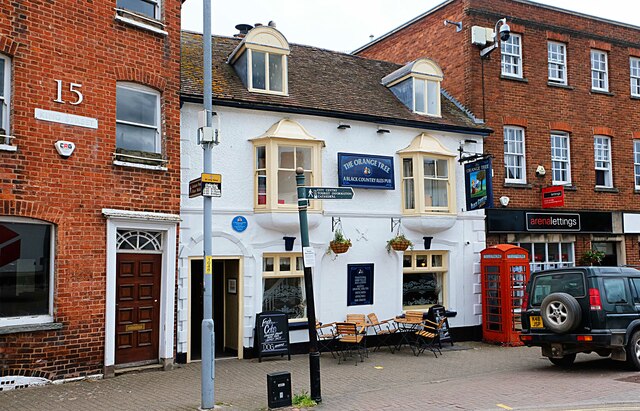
{"x":329,"y":193}
{"x":208,"y":185}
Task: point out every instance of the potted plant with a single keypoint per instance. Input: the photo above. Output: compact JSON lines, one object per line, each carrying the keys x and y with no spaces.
{"x":399,"y":243}
{"x":591,"y":257}
{"x":340,"y":244}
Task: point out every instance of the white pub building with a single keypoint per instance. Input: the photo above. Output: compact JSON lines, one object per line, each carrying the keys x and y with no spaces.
{"x":387,"y":131}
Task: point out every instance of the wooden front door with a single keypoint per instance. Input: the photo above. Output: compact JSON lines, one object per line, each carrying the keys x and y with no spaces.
{"x":137,"y":307}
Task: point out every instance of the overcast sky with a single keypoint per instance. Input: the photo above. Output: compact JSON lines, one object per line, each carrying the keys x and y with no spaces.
{"x":345,"y":25}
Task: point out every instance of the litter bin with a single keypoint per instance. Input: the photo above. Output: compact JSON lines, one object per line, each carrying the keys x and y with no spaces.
{"x":279,"y":389}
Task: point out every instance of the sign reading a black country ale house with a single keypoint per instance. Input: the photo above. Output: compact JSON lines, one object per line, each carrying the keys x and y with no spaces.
{"x":365,"y":171}
{"x":478,"y":184}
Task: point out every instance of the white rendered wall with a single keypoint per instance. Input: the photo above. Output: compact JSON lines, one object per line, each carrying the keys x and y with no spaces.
{"x":366,"y":220}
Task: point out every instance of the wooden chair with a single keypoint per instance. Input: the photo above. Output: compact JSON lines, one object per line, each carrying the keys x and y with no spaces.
{"x":359,"y":320}
{"x":384,"y":330}
{"x":349,"y":338}
{"x":326,"y":337}
{"x":427,"y":336}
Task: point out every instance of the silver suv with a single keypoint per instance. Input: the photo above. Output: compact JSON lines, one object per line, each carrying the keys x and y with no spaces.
{"x":583,"y":309}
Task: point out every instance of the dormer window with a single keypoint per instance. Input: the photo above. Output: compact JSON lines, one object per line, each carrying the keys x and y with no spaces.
{"x":417,"y":86}
{"x":261,"y":61}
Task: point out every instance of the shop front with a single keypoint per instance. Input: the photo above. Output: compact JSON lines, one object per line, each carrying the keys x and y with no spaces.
{"x":559,"y":239}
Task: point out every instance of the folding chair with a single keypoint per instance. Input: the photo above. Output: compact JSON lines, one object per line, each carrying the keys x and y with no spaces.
{"x":349,"y":339}
{"x":326,"y":337}
{"x":427,"y":337}
{"x":385,"y":330}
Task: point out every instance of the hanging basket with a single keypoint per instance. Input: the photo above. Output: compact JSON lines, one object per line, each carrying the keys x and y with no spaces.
{"x":339,"y":248}
{"x":400,"y":245}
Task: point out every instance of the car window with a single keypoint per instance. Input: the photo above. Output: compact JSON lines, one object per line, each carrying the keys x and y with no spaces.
{"x":636,"y":285}
{"x":614,"y":290}
{"x":543,"y":285}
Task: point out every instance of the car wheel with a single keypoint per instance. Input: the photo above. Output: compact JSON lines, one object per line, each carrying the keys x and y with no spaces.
{"x":633,"y":351}
{"x":560,"y":312}
{"x":565,"y":362}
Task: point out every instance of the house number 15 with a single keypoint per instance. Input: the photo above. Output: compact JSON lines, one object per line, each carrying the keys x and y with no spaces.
{"x":73,"y":87}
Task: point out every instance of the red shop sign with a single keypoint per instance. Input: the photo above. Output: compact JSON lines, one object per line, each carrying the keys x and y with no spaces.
{"x":553,"y":197}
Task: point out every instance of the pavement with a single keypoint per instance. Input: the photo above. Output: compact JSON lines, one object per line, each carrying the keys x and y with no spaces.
{"x":467,"y":376}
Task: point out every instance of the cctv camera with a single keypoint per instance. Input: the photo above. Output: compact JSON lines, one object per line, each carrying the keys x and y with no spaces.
{"x":505,"y":32}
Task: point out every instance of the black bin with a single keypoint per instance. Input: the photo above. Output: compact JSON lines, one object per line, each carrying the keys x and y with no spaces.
{"x":279,"y":389}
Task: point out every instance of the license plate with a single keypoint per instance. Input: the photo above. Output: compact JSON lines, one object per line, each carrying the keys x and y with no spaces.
{"x":535,"y":321}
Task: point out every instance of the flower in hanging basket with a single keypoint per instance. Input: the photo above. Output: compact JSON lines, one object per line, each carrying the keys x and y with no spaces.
{"x":399,"y":243}
{"x":340,"y":244}
{"x":591,"y":257}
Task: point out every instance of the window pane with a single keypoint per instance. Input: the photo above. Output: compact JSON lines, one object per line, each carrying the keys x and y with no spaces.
{"x":429,"y":167}
{"x":267,"y":264}
{"x":2,"y":63}
{"x":147,"y":8}
{"x":409,"y":194}
{"x":614,"y":290}
{"x":422,"y":261}
{"x":432,"y":98}
{"x":435,"y":193}
{"x":407,"y":167}
{"x":303,"y":157}
{"x":136,"y":138}
{"x":404,"y":92}
{"x":136,"y":106}
{"x":285,"y":264}
{"x":299,"y":264}
{"x":261,"y":157}
{"x":258,"y":61}
{"x":275,"y":72}
{"x":436,"y":260}
{"x":420,"y":94}
{"x":262,"y":187}
{"x":285,"y":295}
{"x":442,"y":169}
{"x":406,"y":260}
{"x":24,"y":269}
{"x":286,"y":157}
{"x":287,"y":192}
{"x":420,"y":289}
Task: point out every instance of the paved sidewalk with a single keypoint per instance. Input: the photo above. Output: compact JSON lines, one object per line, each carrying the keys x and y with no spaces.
{"x":471,"y":376}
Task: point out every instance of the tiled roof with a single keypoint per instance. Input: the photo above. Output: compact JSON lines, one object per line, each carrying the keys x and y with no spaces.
{"x":320,"y":82}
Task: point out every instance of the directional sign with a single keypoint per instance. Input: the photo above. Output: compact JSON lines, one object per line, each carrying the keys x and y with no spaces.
{"x":195,"y":188}
{"x":208,"y":185}
{"x":329,"y":193}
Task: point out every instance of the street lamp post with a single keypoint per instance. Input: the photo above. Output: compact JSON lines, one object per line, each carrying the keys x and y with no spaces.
{"x":314,"y":354}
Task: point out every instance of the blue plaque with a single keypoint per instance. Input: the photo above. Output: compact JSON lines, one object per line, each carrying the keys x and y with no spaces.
{"x":359,"y":284}
{"x":365,"y":171}
{"x":239,"y":223}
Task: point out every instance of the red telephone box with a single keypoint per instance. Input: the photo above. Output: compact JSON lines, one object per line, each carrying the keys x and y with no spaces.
{"x":504,"y":275}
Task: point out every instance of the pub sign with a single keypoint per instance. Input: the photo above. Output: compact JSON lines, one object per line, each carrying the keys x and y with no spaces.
{"x":365,"y":171}
{"x":478,"y":184}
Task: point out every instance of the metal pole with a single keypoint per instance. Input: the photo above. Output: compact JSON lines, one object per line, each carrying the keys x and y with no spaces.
{"x":208,"y":334}
{"x":314,"y":355}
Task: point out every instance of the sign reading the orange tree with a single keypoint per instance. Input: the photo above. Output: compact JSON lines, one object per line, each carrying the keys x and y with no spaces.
{"x":478,"y":184}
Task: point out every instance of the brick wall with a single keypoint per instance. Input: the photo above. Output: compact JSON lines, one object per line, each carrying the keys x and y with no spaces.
{"x":542,"y":107}
{"x":80,"y":42}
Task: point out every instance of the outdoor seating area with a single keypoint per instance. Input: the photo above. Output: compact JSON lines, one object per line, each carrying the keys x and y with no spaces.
{"x":352,"y":337}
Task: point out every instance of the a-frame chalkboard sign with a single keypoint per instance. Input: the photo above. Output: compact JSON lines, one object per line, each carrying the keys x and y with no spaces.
{"x":272,"y":334}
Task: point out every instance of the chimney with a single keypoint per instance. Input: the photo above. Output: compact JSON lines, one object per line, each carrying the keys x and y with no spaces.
{"x":243,"y":29}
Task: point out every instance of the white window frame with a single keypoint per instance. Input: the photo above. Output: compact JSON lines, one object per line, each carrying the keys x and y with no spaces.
{"x":156,"y":12}
{"x":634,"y":74}
{"x":419,"y":199}
{"x":557,"y":62}
{"x":429,"y":258}
{"x":158,"y":127}
{"x":5,"y":101}
{"x":636,"y":164}
{"x":602,"y":157}
{"x":560,"y":156}
{"x":599,"y":71}
{"x":272,"y":167}
{"x":511,"y":56}
{"x":427,"y":81}
{"x":545,"y":264}
{"x":515,"y":136}
{"x":43,"y":318}
{"x":295,"y":272}
{"x":267,"y":90}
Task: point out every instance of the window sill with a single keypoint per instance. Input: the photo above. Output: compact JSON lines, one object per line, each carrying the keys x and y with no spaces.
{"x":7,"y":147}
{"x":141,"y":22}
{"x":136,"y":165}
{"x":516,"y":185}
{"x":606,"y":190}
{"x":635,"y":97}
{"x":602,"y":92}
{"x":139,"y":159}
{"x":560,"y":85}
{"x":569,"y":188}
{"x":518,"y":79}
{"x":15,"y":329}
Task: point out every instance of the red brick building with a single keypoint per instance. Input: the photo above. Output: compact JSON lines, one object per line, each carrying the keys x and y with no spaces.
{"x":562,"y":95}
{"x":89,"y":185}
